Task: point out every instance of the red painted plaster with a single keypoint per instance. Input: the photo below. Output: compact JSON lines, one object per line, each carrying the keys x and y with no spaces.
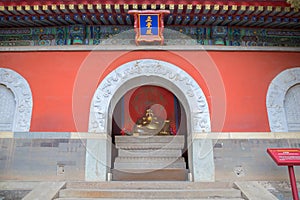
{"x":234,"y":83}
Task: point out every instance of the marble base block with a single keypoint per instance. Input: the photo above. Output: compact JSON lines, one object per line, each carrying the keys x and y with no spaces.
{"x":150,"y":155}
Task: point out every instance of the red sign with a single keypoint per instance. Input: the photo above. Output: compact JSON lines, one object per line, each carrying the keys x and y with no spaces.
{"x":285,"y":156}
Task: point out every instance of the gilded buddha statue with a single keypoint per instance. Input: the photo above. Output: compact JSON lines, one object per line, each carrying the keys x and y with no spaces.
{"x":151,"y":125}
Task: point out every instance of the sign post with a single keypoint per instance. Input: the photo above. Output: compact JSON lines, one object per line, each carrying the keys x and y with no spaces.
{"x":287,"y":157}
{"x":149,"y":25}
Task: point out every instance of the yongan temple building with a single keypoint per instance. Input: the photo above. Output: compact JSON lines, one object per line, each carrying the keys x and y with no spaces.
{"x":149,"y":99}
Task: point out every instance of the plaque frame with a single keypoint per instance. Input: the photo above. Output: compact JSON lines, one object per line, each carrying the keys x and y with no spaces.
{"x":140,"y":25}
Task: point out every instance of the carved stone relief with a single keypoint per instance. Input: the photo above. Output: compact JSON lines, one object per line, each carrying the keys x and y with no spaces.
{"x":292,"y":108}
{"x":166,"y":75}
{"x":276,"y":97}
{"x":7,"y":108}
{"x":22,"y":99}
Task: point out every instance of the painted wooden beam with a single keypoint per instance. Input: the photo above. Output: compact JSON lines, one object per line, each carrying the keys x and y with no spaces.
{"x":126,"y":8}
{"x":218,"y":21}
{"x":171,"y":8}
{"x":120,"y":19}
{"x":99,"y":8}
{"x":206,"y":9}
{"x":202,"y":20}
{"x":63,"y":8}
{"x":78,"y":19}
{"x":12,"y":10}
{"x":186,"y":20}
{"x":128,"y":19}
{"x":198,"y":8}
{"x":249,"y":10}
{"x":224,"y":9}
{"x":215,"y":9}
{"x":210,"y":20}
{"x":117,"y":8}
{"x":111,"y":19}
{"x":53,"y":8}
{"x":46,"y":9}
{"x":232,"y":10}
{"x":69,"y":19}
{"x":82,"y":8}
{"x":180,"y":8}
{"x":103,"y":19}
{"x":227,"y":20}
{"x":258,"y":10}
{"x":178,"y":19}
{"x":94,"y":19}
{"x":195,"y":20}
{"x":144,"y":6}
{"x":170,"y":19}
{"x":241,"y":10}
{"x":90,"y":8}
{"x":189,"y":8}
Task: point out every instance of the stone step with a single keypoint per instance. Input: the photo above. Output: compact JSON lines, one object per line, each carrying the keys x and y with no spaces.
{"x":150,"y":146}
{"x":150,"y":139}
{"x":150,"y":153}
{"x":149,"y":175}
{"x":150,"y":193}
{"x":151,"y":159}
{"x":124,"y":163}
{"x":149,"y":185}
{"x":145,"y":199}
{"x":149,"y":142}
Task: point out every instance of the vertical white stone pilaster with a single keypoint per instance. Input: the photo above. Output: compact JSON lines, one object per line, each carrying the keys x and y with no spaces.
{"x":98,"y":158}
{"x":203,"y":160}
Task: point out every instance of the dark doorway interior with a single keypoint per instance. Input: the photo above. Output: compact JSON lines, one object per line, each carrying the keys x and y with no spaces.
{"x":135,"y":102}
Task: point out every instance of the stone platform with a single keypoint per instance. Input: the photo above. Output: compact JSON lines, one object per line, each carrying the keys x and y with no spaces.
{"x":149,"y":158}
{"x":80,"y":190}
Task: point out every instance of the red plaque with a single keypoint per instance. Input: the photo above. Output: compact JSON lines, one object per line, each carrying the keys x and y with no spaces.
{"x":149,"y":25}
{"x":285,"y":156}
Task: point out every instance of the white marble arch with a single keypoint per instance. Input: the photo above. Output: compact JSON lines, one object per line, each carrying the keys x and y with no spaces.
{"x":159,"y":73}
{"x":23,"y":98}
{"x":149,"y":72}
{"x":276,"y":96}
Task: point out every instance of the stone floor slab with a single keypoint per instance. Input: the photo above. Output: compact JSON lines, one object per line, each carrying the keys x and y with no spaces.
{"x":252,"y":190}
{"x":45,"y":191}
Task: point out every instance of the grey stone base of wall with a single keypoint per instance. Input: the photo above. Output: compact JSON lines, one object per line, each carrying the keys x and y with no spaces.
{"x":65,"y":156}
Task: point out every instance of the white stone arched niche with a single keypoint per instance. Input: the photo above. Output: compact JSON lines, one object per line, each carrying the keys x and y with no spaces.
{"x":276,"y":94}
{"x":149,"y":72}
{"x":23,"y":99}
{"x":158,"y":73}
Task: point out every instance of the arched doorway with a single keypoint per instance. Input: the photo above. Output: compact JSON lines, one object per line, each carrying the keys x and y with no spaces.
{"x":131,"y":109}
{"x":157,"y":73}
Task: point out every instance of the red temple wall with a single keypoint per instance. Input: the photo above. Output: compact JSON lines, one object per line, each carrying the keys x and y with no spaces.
{"x":234,"y":83}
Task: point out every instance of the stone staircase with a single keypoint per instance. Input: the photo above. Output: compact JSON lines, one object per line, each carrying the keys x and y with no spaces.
{"x":148,"y":190}
{"x":149,"y":158}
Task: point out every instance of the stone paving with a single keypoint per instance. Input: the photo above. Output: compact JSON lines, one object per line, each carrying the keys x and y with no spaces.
{"x":280,"y":189}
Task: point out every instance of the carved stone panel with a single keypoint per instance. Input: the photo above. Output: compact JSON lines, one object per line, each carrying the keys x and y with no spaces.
{"x":7,"y":108}
{"x":276,"y":97}
{"x":22,"y":99}
{"x":292,"y":108}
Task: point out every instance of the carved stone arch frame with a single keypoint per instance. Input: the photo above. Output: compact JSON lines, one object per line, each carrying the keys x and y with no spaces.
{"x":23,"y":98}
{"x":150,"y":72}
{"x":154,"y":72}
{"x":276,"y":95}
